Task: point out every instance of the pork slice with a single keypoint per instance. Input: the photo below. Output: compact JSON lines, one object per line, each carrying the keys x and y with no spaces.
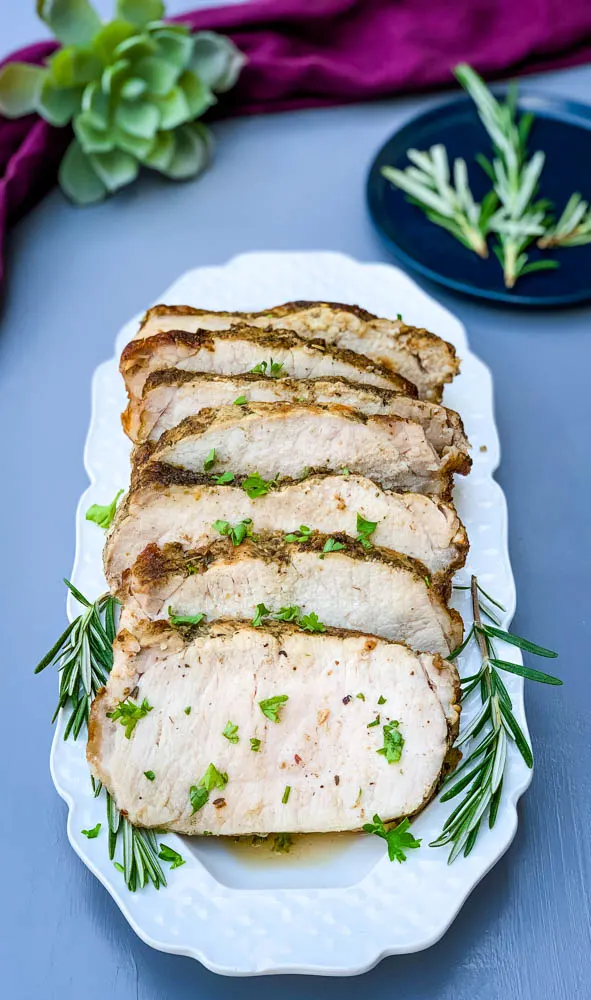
{"x":318,"y":768}
{"x":291,"y":440}
{"x":426,"y":360}
{"x":172,"y":395}
{"x":370,"y":590}
{"x":238,"y":350}
{"x":169,"y":505}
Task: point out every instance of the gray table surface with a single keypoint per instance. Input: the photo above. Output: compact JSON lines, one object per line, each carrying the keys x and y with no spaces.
{"x":284,"y":182}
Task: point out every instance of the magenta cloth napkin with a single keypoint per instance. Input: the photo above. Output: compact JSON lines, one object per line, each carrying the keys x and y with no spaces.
{"x":314,"y":53}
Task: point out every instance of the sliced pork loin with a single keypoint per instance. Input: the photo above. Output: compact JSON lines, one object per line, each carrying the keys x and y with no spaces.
{"x":238,"y":350}
{"x":170,"y":396}
{"x":426,"y":360}
{"x":372,"y":590}
{"x":169,"y":505}
{"x":289,"y":441}
{"x":318,"y":767}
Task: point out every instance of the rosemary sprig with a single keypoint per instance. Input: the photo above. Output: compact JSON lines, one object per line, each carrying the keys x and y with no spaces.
{"x":83,"y":655}
{"x":519,"y":218}
{"x":140,"y":851}
{"x":481,"y":772}
{"x":447,"y":203}
{"x":573,"y":228}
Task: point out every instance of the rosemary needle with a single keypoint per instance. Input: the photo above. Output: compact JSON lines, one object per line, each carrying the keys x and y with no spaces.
{"x":573,"y":228}
{"x":480,"y":774}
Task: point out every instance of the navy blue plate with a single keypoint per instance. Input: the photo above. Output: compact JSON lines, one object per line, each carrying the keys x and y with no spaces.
{"x":562,"y":129}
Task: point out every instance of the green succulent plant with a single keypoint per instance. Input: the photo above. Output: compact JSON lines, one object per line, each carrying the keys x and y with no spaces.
{"x":131,"y":88}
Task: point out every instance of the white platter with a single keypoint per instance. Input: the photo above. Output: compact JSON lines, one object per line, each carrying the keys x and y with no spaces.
{"x":323,"y":914}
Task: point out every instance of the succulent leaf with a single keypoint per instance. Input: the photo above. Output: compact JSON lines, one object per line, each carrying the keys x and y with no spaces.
{"x":115,"y":75}
{"x":115,"y":169}
{"x":77,"y":177}
{"x":133,"y":88}
{"x":111,"y":35}
{"x":133,"y":144}
{"x":137,"y":118}
{"x":73,"y":22}
{"x":191,"y":153}
{"x":140,"y":12}
{"x":216,"y":60}
{"x":162,"y":151}
{"x":199,"y":96}
{"x":95,"y":104}
{"x":20,"y":86}
{"x":176,"y":48}
{"x":174,"y":109}
{"x":159,"y":75}
{"x":136,"y":47}
{"x":71,"y":67}
{"x":91,"y":138}
{"x":58,"y":105}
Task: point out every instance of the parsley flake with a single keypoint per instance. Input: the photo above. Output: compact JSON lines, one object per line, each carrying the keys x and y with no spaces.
{"x":103,"y":516}
{"x":255,"y":486}
{"x":364,"y":530}
{"x":286,"y":794}
{"x":310,"y":623}
{"x":184,"y":619}
{"x":149,"y":775}
{"x":209,"y":461}
{"x":288,"y":614}
{"x":301,"y":535}
{"x":231,"y":732}
{"x":260,"y":613}
{"x":188,"y":710}
{"x":168,"y":854}
{"x":361,"y":696}
{"x":272,"y":369}
{"x":398,"y":840}
{"x":226,"y":477}
{"x":255,"y":744}
{"x":92,"y":834}
{"x":236,"y":532}
{"x":331,"y":545}
{"x":271,"y":707}
{"x":282,"y":843}
{"x":393,"y":742}
{"x":129,"y":713}
{"x":375,"y":722}
{"x":199,"y":794}
{"x":345,"y":472}
{"x":240,"y":401}
{"x":382,"y":700}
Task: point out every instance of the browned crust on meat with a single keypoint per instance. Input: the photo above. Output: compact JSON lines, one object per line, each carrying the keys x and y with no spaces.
{"x":155,"y":565}
{"x":136,"y":351}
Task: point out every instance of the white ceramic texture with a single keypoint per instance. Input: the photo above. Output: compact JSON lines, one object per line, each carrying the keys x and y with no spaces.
{"x":329,"y":914}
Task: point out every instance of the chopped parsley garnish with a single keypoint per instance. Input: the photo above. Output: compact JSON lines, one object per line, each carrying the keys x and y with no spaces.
{"x":393,"y":742}
{"x":255,"y":744}
{"x":345,"y":471}
{"x":92,"y":834}
{"x":188,"y":710}
{"x":149,"y":775}
{"x":231,"y":732}
{"x":361,"y":696}
{"x":399,"y":316}
{"x":274,"y":368}
{"x":168,"y":854}
{"x":301,"y":535}
{"x":382,"y":700}
{"x":286,"y":794}
{"x":103,"y":516}
{"x":209,"y":461}
{"x":236,"y":532}
{"x":129,"y":713}
{"x":199,"y":794}
{"x":331,"y":545}
{"x":398,"y":840}
{"x":271,"y":707}
{"x":282,"y":843}
{"x":260,"y":613}
{"x":375,"y":722}
{"x":224,"y":478}
{"x":255,"y":486}
{"x":310,"y":623}
{"x":364,"y":530}
{"x":184,"y":619}
{"x":240,"y":401}
{"x":289,"y":614}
